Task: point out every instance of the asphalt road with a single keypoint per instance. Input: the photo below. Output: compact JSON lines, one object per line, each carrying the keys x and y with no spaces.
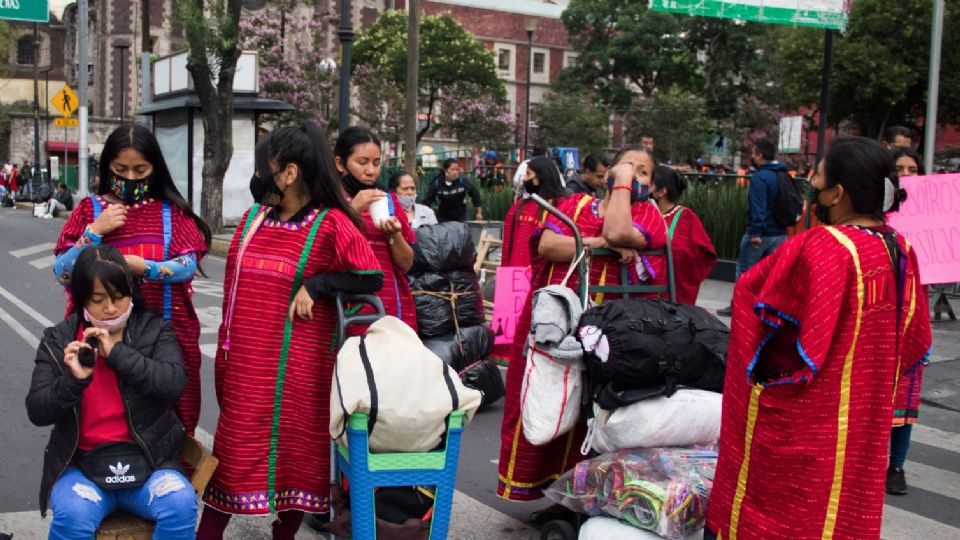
{"x":30,"y":300}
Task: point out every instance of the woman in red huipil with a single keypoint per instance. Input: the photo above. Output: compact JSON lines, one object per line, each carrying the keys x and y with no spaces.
{"x":139,"y":210}
{"x":276,"y":348}
{"x":693,"y":253}
{"x":525,"y":469}
{"x":523,"y":221}
{"x":357,"y":157}
{"x":824,"y":331}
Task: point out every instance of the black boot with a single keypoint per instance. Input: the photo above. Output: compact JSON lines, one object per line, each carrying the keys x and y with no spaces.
{"x":896,"y":481}
{"x":725,"y":312}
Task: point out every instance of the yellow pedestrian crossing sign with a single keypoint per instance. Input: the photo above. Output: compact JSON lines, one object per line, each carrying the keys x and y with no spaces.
{"x":66,"y":101}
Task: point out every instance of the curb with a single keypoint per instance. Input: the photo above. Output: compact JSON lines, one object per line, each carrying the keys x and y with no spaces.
{"x":28,"y":206}
{"x":220,"y":245}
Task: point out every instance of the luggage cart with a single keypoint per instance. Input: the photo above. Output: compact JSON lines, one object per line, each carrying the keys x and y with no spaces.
{"x":566,"y":529}
{"x":366,"y":471}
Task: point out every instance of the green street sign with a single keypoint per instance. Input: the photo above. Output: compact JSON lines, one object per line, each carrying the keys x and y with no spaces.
{"x":25,"y":10}
{"x":831,"y":14}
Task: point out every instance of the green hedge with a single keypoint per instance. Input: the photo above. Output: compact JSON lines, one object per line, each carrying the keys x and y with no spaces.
{"x":722,"y":206}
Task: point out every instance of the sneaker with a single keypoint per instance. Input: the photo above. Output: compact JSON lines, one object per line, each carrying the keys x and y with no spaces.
{"x":725,"y":312}
{"x":896,"y":481}
{"x":47,"y":216}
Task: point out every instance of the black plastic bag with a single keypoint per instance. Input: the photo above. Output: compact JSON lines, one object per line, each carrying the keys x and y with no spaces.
{"x":485,"y":377}
{"x":442,"y":297}
{"x":477,"y":342}
{"x":443,"y":247}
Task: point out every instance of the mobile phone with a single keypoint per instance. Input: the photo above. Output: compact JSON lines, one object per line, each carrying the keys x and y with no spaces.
{"x":88,"y":357}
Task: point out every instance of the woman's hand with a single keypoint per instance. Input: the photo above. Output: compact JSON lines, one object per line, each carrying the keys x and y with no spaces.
{"x":137,"y":264}
{"x":390,"y":227}
{"x":623,"y":174}
{"x":302,"y":305}
{"x":73,"y":362}
{"x":595,"y":242}
{"x":106,"y":341}
{"x":627,"y":255}
{"x":112,"y":218}
{"x":366,"y":197}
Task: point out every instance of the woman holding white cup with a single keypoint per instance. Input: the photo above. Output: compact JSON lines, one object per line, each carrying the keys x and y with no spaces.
{"x":357,"y":157}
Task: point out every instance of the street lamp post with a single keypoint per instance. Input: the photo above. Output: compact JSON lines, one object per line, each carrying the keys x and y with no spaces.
{"x":345,"y":33}
{"x":36,"y":108}
{"x":530,"y":25}
{"x":122,"y":47}
{"x":46,"y":103}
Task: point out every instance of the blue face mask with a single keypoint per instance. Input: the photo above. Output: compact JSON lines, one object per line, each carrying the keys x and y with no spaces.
{"x":638,"y":192}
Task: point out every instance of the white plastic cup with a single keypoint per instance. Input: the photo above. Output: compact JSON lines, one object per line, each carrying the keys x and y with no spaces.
{"x":380,"y":210}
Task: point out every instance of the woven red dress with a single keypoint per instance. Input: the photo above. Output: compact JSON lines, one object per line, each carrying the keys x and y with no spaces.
{"x":693,"y":253}
{"x":142,"y":235}
{"x":815,"y":356}
{"x":272,"y":438}
{"x":520,"y":226}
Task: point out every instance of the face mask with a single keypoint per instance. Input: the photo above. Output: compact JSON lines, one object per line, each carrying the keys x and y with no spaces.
{"x":823,"y":211}
{"x":110,"y":325}
{"x":893,"y":195}
{"x":407,"y":202}
{"x":265,"y":190}
{"x":354,"y":186}
{"x":530,"y":187}
{"x":130,"y":191}
{"x":638,"y":192}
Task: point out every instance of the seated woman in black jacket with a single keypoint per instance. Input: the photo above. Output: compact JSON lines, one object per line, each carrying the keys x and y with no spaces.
{"x":106,"y":378}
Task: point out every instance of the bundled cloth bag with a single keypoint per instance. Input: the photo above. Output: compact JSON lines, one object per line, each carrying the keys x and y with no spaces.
{"x":447,"y":302}
{"x":459,"y":351}
{"x":687,"y":417}
{"x":552,"y":379}
{"x":442,"y":248}
{"x":604,"y":528}
{"x":407,"y":391}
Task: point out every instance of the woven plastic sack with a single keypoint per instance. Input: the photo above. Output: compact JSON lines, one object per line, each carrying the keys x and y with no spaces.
{"x":662,"y":490}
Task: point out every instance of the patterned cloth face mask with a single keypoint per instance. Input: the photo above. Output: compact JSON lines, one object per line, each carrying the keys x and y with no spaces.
{"x":130,"y":191}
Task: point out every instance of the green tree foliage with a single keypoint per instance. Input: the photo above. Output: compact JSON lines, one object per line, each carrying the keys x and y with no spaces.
{"x":454,"y":65}
{"x":677,"y":121}
{"x":880,"y":65}
{"x":572,"y":119}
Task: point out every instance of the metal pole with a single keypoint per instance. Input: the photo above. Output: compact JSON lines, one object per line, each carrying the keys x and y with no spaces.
{"x":933,"y":88}
{"x":65,"y":167}
{"x":345,"y":33}
{"x":526,"y":118}
{"x":824,"y":95}
{"x":46,"y":104}
{"x":83,"y":37}
{"x":36,"y":109}
{"x":413,"y":86}
{"x":123,"y":82}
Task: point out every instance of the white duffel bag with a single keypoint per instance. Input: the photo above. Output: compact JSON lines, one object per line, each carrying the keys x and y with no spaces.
{"x":689,"y":416}
{"x":606,"y":528}
{"x":550,"y":395}
{"x":408,"y":395}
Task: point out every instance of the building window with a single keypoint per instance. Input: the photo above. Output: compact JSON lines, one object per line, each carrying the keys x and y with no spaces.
{"x":539,"y":62}
{"x":540,"y":66}
{"x":570,"y":59}
{"x":25,"y":51}
{"x":503,"y":59}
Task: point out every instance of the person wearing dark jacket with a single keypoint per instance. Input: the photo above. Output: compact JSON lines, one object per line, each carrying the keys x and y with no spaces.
{"x":106,"y":379}
{"x":763,"y":234}
{"x":592,"y":177}
{"x":451,"y":188}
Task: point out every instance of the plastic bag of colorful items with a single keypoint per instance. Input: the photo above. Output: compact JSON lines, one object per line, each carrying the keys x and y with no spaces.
{"x":663,"y":490}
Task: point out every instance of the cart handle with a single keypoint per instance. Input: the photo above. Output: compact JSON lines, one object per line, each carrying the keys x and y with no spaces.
{"x":344,"y":320}
{"x":578,"y":240}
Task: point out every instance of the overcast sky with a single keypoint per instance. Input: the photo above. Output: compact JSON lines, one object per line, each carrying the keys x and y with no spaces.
{"x":56,"y":6}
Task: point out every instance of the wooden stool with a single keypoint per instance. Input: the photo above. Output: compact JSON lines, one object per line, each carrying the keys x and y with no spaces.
{"x":126,"y":526}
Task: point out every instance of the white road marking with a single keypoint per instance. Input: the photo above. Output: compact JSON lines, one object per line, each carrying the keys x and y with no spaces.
{"x":32,"y":250}
{"x":21,"y":330}
{"x":26,"y":308}
{"x":932,"y":436}
{"x":939,"y":481}
{"x":901,"y":524}
{"x":44,"y":262}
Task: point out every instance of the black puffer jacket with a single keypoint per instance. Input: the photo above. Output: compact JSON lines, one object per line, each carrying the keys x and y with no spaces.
{"x":151,"y":377}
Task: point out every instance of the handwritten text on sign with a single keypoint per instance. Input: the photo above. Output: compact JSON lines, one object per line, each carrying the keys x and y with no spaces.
{"x":930,"y":219}
{"x":513,"y":287}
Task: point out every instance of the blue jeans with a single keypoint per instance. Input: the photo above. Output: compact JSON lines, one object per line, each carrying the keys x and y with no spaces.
{"x":751,"y":255}
{"x":899,"y":444}
{"x":79,"y":505}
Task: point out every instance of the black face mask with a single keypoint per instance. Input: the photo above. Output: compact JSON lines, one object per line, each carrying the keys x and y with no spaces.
{"x":354,"y":186}
{"x":822,"y":211}
{"x":130,"y":191}
{"x":265,"y":190}
{"x":530,"y":187}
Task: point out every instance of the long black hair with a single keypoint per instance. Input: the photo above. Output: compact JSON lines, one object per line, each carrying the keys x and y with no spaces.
{"x":161,"y":185}
{"x":666,"y":178}
{"x":551,"y":187}
{"x":860,"y":165}
{"x":306,"y":147}
{"x":900,"y":151}
{"x":105,"y":263}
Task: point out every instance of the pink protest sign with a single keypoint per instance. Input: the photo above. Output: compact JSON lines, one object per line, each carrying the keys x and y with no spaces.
{"x":930,"y":219}
{"x":513,"y":286}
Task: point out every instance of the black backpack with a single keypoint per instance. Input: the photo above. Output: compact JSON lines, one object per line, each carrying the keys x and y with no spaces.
{"x":788,"y":205}
{"x":654,"y":346}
